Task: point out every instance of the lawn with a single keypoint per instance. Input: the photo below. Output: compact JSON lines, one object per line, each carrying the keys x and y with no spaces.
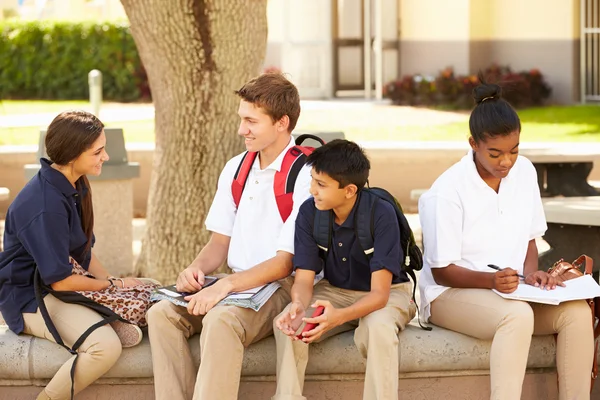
{"x":545,"y":124}
{"x":380,"y":123}
{"x":10,"y":107}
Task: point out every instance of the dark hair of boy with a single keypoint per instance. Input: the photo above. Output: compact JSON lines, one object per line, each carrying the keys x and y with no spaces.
{"x":275,"y":94}
{"x":492,"y":115}
{"x":343,"y":161}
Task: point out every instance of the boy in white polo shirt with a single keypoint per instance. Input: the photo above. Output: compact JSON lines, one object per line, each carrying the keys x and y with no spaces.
{"x":257,"y":240}
{"x":486,"y":209}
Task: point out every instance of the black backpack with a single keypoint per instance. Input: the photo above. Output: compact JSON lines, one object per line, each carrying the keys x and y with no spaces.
{"x":364,"y":228}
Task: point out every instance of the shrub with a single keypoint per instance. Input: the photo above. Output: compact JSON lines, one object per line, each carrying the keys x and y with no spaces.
{"x":51,"y":60}
{"x":523,"y":89}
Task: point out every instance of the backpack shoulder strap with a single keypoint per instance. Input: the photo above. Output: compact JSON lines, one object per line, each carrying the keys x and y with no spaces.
{"x":241,"y":175}
{"x":38,"y":287}
{"x":285,"y":179}
{"x":364,"y":228}
{"x":322,"y":229}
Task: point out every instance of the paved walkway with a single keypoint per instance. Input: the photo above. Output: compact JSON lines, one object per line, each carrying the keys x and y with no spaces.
{"x":326,"y":115}
{"x":110,"y":112}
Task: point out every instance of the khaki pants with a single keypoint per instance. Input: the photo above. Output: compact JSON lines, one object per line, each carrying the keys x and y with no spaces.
{"x":224,"y":333}
{"x":483,"y":314}
{"x":376,"y":337}
{"x":98,"y":353}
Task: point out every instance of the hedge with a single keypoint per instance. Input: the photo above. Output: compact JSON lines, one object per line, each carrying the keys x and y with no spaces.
{"x":51,"y":60}
{"x":522,"y":89}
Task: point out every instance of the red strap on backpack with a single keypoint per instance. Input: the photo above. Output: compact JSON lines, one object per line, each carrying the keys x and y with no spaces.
{"x":239,"y":179}
{"x":285,"y":179}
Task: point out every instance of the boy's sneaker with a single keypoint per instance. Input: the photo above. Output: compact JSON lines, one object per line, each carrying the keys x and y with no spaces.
{"x":129,"y":334}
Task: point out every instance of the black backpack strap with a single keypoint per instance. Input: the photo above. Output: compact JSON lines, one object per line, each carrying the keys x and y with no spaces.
{"x":323,"y":229}
{"x":38,"y":285}
{"x":300,"y":139}
{"x":364,"y":221}
{"x":411,"y":274}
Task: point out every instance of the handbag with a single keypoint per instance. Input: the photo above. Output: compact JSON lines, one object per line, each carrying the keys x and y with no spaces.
{"x":565,"y":271}
{"x":128,"y":305}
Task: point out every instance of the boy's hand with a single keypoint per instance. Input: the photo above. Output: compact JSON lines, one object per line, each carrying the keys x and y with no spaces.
{"x":330,"y":318}
{"x":190,"y":280}
{"x":289,"y":322}
{"x":202,"y":302}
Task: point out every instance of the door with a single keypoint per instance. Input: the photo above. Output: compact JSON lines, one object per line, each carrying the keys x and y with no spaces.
{"x":365,"y":46}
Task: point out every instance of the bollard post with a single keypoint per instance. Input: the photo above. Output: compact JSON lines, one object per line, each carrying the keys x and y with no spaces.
{"x":95,"y":85}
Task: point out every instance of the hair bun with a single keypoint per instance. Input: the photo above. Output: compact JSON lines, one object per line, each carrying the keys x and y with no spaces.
{"x":486,"y":91}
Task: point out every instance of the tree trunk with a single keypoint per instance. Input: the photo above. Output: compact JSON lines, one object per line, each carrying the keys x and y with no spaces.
{"x":196,"y":53}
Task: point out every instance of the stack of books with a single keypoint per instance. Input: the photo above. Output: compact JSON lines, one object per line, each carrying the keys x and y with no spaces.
{"x":253,"y":298}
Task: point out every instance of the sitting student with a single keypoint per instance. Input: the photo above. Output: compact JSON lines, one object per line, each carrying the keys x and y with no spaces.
{"x":256,"y":240}
{"x":372,"y":296}
{"x":486,"y":209}
{"x":49,"y":227}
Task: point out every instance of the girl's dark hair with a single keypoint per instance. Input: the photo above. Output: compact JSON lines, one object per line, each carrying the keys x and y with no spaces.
{"x":68,"y":135}
{"x":343,"y":160}
{"x":492,"y":115}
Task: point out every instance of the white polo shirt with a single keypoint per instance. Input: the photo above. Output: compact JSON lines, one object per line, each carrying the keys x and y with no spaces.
{"x":256,"y":229}
{"x":465,"y":222}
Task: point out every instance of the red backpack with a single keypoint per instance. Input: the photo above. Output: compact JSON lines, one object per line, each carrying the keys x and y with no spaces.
{"x":285,"y":179}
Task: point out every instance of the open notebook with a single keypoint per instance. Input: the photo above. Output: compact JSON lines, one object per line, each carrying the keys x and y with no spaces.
{"x":580,"y":288}
{"x":252,"y":298}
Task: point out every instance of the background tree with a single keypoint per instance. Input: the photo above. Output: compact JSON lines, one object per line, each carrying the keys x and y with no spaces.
{"x":196,"y":53}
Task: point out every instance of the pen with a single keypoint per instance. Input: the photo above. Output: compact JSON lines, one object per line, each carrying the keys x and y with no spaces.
{"x":497,"y":268}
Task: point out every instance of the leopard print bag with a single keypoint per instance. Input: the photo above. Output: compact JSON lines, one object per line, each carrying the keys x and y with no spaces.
{"x":130,"y":303}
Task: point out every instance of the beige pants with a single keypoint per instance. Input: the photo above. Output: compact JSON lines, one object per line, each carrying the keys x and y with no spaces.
{"x":224,"y":333}
{"x":376,"y":337}
{"x":483,"y":314}
{"x":98,"y":353}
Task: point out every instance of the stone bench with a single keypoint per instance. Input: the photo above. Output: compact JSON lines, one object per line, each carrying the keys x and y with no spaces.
{"x":433,"y":365}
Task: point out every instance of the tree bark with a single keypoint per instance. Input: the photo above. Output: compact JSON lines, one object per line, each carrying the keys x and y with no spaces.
{"x":196,"y":53}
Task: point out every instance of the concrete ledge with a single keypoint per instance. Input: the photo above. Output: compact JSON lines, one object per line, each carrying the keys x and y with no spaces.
{"x":396,"y":166}
{"x":439,"y":352}
{"x":439,"y":364}
{"x":4,"y":193}
{"x":573,"y":210}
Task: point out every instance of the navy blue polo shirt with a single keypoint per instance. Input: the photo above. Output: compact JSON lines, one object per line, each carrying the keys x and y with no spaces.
{"x":43,"y":228}
{"x":346,"y":265}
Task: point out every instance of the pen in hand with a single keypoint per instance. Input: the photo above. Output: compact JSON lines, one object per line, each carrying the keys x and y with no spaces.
{"x":497,"y":268}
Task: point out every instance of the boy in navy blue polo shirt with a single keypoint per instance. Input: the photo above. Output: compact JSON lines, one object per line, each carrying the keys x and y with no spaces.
{"x":372,"y":295}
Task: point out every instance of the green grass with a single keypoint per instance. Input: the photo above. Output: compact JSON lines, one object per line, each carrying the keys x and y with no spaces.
{"x":11,"y":107}
{"x":545,"y":124}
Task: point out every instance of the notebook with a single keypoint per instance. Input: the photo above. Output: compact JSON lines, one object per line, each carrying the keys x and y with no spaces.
{"x":580,"y":288}
{"x":253,"y":298}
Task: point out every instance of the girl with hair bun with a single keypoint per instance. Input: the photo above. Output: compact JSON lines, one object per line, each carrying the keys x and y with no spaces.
{"x":487,"y":209}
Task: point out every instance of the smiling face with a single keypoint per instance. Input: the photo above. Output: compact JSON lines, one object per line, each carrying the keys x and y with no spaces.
{"x":90,"y":161}
{"x":495,"y":156}
{"x":258,"y":129}
{"x":327,"y":192}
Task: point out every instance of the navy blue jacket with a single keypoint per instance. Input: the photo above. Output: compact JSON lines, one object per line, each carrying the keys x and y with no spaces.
{"x":43,"y":228}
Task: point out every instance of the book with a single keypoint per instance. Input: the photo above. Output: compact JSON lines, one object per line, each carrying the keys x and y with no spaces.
{"x":253,"y":298}
{"x":580,"y":288}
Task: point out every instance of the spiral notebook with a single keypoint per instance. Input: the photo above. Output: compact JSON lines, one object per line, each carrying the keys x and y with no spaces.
{"x":253,"y":298}
{"x":584,"y":287}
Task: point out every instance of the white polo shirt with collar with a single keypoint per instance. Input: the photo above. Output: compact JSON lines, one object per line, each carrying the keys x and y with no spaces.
{"x":256,"y":229}
{"x":466,"y":223}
